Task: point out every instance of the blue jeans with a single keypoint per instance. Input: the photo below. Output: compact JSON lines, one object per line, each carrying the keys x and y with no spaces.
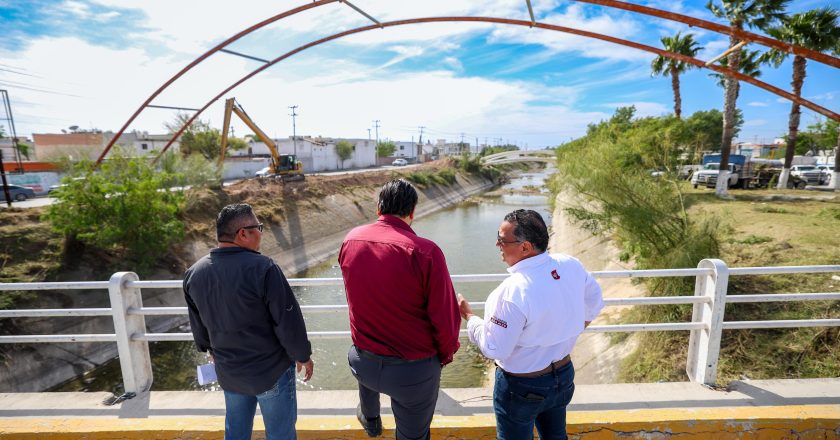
{"x":520,"y":403}
{"x":277,"y":405}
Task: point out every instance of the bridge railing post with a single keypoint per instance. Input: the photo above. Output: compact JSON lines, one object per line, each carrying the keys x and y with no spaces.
{"x":135,"y":361}
{"x":704,"y":344}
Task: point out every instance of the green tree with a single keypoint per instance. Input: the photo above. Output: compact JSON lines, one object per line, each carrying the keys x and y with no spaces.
{"x":610,"y":191}
{"x":818,"y":30}
{"x":683,"y":45}
{"x":750,"y":65}
{"x":740,"y":13}
{"x":125,"y":205}
{"x":704,"y":131}
{"x":200,"y":138}
{"x":193,"y":170}
{"x":385,"y":149}
{"x":343,"y":149}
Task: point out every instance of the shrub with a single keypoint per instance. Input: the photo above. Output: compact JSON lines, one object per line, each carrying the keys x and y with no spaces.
{"x":125,"y":205}
{"x":447,"y":176}
{"x":418,"y":177}
{"x":607,"y":174}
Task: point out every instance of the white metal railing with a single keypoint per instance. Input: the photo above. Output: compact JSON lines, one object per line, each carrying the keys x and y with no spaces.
{"x":709,"y":299}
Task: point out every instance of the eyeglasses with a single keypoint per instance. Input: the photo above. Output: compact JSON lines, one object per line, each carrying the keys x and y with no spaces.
{"x":258,"y":226}
{"x":500,"y":242}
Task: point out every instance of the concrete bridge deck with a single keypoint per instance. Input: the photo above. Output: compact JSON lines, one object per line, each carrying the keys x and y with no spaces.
{"x":765,"y":409}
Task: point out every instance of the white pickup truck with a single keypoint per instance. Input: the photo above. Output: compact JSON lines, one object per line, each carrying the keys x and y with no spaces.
{"x":709,"y":174}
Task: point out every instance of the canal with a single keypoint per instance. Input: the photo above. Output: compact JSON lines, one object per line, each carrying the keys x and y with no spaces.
{"x":466,"y":233}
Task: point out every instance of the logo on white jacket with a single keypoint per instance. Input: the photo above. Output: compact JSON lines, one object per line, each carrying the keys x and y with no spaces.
{"x":498,"y":322}
{"x":555,"y":275}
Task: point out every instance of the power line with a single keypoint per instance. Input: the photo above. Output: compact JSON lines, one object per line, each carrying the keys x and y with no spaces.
{"x":16,"y":85}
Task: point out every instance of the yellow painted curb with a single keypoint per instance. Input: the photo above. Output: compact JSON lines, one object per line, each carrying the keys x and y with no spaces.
{"x":777,"y":422}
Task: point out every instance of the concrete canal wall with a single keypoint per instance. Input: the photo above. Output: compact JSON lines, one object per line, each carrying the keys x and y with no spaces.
{"x":596,"y":359}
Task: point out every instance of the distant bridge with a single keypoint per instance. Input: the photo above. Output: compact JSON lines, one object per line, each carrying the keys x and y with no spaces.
{"x":546,"y":156}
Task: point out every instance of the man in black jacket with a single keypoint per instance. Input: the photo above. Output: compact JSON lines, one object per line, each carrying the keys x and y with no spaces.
{"x":244,"y":313}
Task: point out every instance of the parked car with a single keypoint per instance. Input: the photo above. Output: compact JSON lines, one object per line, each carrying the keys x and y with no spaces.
{"x":54,"y":188}
{"x":399,"y":163}
{"x":826,"y":170}
{"x":19,"y":193}
{"x":808,"y":172}
{"x":263,"y":172}
{"x":687,"y":171}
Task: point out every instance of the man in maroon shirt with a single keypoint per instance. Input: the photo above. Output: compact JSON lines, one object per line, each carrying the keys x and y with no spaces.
{"x":404,"y":317}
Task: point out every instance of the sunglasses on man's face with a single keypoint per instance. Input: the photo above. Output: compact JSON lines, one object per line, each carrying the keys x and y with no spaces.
{"x":501,"y":242}
{"x":258,"y":226}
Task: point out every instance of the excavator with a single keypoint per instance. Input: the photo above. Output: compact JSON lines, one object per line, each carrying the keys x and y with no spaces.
{"x":283,"y":168}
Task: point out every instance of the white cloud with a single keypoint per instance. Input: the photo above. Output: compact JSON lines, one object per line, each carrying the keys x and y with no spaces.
{"x":403,"y":53}
{"x":338,"y":101}
{"x":827,"y":96}
{"x":107,"y":16}
{"x":77,"y":8}
{"x":758,"y":104}
{"x":575,"y":16}
{"x":454,"y":63}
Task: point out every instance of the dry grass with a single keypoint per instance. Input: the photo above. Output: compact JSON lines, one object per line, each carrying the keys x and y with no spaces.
{"x":764,"y":228}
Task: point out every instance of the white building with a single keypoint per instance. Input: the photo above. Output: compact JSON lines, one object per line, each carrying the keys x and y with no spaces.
{"x":407,"y":150}
{"x":141,"y":143}
{"x":318,"y":153}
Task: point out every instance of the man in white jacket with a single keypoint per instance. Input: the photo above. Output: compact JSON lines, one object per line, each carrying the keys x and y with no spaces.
{"x":531,"y":323}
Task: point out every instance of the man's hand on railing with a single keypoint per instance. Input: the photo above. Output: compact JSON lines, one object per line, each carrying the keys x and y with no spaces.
{"x":308,"y":366}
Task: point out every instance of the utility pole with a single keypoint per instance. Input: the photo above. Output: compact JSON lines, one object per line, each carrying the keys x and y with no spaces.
{"x":376,"y":147}
{"x":461,"y":146}
{"x":5,"y":184}
{"x":420,"y":144}
{"x":368,"y":133}
{"x":294,"y":129}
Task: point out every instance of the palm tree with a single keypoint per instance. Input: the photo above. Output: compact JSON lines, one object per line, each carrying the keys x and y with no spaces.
{"x":750,"y":65}
{"x":818,"y":30}
{"x":754,"y":14}
{"x":668,"y":66}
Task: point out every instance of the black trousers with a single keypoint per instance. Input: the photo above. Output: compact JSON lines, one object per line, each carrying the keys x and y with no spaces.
{"x":412,"y":385}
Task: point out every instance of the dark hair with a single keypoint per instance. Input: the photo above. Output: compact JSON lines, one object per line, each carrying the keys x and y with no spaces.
{"x":528,"y":225}
{"x":397,"y":197}
{"x":231,"y":218}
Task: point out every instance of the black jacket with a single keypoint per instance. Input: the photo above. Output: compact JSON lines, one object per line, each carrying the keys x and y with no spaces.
{"x":243,"y":310}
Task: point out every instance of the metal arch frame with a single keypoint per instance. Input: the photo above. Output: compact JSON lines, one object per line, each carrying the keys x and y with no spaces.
{"x":832,"y":61}
{"x":817,"y":108}
{"x":719,"y":28}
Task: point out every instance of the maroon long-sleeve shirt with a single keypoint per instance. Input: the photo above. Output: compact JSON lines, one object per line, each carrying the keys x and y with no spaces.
{"x":400,"y":295}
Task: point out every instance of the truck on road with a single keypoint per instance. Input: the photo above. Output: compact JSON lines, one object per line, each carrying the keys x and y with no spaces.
{"x":740,"y":171}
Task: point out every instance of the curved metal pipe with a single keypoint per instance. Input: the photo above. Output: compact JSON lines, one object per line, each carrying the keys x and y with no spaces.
{"x":691,"y":21}
{"x":198,"y":60}
{"x":719,"y":28}
{"x":815,"y":107}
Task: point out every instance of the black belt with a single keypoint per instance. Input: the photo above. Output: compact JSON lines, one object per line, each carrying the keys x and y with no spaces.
{"x":388,"y":360}
{"x":551,"y":367}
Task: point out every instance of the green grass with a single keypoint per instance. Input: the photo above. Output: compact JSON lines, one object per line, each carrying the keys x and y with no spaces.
{"x":771,"y":210}
{"x":754,"y":239}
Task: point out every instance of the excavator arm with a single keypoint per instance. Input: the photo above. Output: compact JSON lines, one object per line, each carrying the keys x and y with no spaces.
{"x":277,"y":164}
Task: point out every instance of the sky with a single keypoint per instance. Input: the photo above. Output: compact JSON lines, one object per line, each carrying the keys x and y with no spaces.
{"x":92,"y":63}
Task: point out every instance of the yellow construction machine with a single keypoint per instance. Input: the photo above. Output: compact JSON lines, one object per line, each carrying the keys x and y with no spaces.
{"x":283,"y":167}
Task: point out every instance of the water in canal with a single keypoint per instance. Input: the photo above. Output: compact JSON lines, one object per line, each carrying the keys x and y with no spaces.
{"x":466,"y":233}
